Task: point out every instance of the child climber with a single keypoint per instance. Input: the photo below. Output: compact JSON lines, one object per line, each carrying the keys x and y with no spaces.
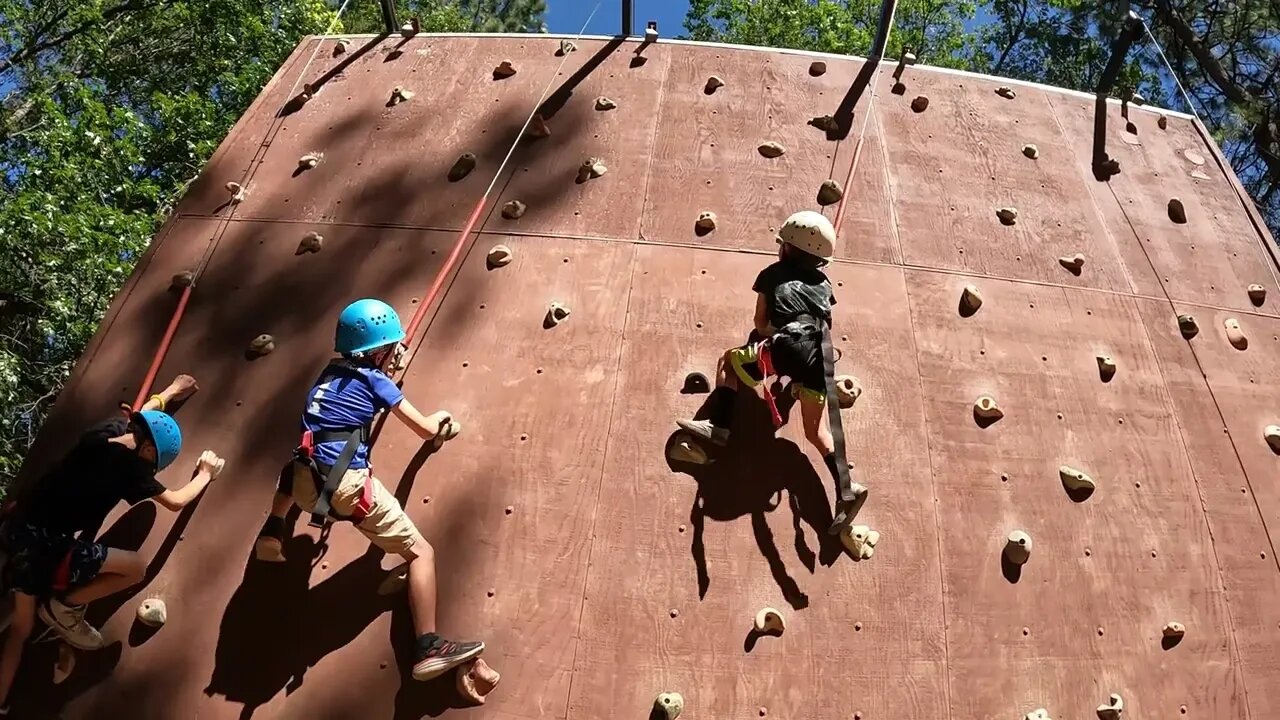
{"x":330,"y":475}
{"x":55,"y":568}
{"x":792,"y":339}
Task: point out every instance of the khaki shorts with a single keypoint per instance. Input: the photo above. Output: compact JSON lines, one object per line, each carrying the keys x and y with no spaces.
{"x":386,"y":525}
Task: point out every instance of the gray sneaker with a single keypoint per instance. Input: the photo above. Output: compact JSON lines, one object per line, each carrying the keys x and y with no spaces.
{"x":705,"y":430}
{"x":69,"y":623}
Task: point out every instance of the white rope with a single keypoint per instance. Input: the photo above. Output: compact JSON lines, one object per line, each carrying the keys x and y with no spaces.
{"x":1185,"y":96}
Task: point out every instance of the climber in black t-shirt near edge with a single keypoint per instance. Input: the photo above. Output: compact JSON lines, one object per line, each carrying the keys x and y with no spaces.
{"x":54,"y":566}
{"x":792,"y":317}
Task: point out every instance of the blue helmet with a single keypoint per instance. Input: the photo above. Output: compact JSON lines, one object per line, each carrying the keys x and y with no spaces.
{"x":164,"y":433}
{"x":365,"y":325}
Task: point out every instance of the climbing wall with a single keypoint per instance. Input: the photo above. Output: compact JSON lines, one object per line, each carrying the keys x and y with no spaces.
{"x":600,"y":572}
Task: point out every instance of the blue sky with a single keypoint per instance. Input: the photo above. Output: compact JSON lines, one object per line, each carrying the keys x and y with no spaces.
{"x":567,"y":16}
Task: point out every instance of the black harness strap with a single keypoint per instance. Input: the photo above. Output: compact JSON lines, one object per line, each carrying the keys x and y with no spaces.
{"x":323,"y":509}
{"x":844,"y":483}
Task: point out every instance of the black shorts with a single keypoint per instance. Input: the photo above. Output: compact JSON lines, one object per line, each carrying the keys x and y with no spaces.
{"x":46,"y":563}
{"x":797,"y":356}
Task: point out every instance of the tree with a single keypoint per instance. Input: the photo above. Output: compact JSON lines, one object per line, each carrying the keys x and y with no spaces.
{"x":451,"y":16}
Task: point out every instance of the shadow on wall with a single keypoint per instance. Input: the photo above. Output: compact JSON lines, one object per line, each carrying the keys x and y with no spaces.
{"x":749,"y":478}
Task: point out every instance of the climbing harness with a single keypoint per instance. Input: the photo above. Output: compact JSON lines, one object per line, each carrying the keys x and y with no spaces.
{"x":328,"y":477}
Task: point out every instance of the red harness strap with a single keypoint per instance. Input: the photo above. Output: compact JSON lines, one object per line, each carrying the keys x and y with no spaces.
{"x":364,"y":504}
{"x":62,"y":576}
{"x":765,"y":360}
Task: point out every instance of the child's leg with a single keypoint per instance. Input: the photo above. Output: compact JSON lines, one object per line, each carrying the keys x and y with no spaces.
{"x":421,"y":561}
{"x":269,"y":547}
{"x":120,"y":570}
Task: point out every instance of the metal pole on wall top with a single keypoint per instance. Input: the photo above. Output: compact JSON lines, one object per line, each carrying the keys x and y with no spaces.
{"x":389,"y":15}
{"x":626,"y":18}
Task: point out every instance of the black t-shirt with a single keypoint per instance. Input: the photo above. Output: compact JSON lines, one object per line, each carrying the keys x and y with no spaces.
{"x":96,"y":475}
{"x":791,"y":290}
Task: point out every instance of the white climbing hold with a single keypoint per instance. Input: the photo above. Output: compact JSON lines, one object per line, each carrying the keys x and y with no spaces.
{"x":769,"y":620}
{"x":651,"y":33}
{"x":826,"y":123}
{"x":566,"y":47}
{"x":310,"y":160}
{"x":705,"y":223}
{"x":1006,"y":92}
{"x":1193,"y":157}
{"x":449,"y":429}
{"x":669,"y":705}
{"x":1235,"y":335}
{"x":399,"y":95}
{"x":556,"y":314}
{"x":504,"y":70}
{"x":1112,"y":709}
{"x":410,"y":28}
{"x":1007,"y":215}
{"x":1174,"y":630}
{"x":829,"y":192}
{"x":817,"y":67}
{"x":152,"y":612}
{"x":1074,"y":263}
{"x":500,"y":256}
{"x":1271,"y":434}
{"x":311,"y":243}
{"x":604,"y":103}
{"x":513,"y":210}
{"x":340,"y":47}
{"x":1017,"y":547}
{"x":986,"y":408}
{"x":182,"y":279}
{"x":238,"y":193}
{"x":1031,"y":151}
{"x":847,"y":391}
{"x":1257,"y":294}
{"x":685,"y":449}
{"x":1199,"y":174}
{"x":771,"y":149}
{"x":715,"y":82}
{"x":1177,"y":212}
{"x":1188,"y":326}
{"x":860,"y":541}
{"x":970,"y":299}
{"x":476,"y":680}
{"x":65,"y":664}
{"x":920,"y":104}
{"x":1106,"y":367}
{"x":591,"y":168}
{"x":1076,"y":480}
{"x":264,"y":344}
{"x":1037,"y":714}
{"x":538,"y":127}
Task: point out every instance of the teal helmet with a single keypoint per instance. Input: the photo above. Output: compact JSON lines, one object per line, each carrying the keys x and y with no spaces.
{"x":366,"y":325}
{"x":163,"y":432}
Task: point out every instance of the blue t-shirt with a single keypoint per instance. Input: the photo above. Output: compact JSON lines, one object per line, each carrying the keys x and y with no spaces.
{"x":347,"y":396}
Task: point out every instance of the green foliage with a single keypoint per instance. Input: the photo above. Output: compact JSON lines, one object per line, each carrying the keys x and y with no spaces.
{"x":365,"y":16}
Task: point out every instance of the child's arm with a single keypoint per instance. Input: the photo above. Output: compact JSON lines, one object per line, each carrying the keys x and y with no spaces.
{"x":762,"y":316}
{"x":426,"y":426}
{"x":24,"y":619}
{"x":207,"y":469}
{"x":183,"y":386}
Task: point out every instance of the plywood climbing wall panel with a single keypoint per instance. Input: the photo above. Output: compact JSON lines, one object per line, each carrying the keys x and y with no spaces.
{"x":708,"y":547}
{"x":709,"y":146}
{"x":1137,"y":551}
{"x":958,"y":162}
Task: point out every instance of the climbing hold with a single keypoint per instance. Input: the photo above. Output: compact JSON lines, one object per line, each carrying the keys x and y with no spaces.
{"x":713,"y":83}
{"x":538,"y":127}
{"x":1199,"y":174}
{"x":1074,"y":263}
{"x":1174,"y":630}
{"x":1006,"y":92}
{"x":1107,"y":168}
{"x":651,"y":32}
{"x":920,"y":104}
{"x":462,"y":167}
{"x":1271,"y":434}
{"x":771,"y":150}
{"x":685,"y":449}
{"x":669,"y":705}
{"x":513,"y":210}
{"x":986,"y":408}
{"x":705,"y":223}
{"x":306,"y":162}
{"x":1187,"y":326}
{"x":829,"y":192}
{"x":1106,"y":367}
{"x":860,"y":541}
{"x":591,"y":168}
{"x":899,"y":88}
{"x":399,"y":95}
{"x":410,"y":28}
{"x":1163,"y":122}
{"x":847,"y":391}
{"x":311,"y":243}
{"x":340,"y":47}
{"x":1018,"y":547}
{"x":1112,"y":709}
{"x":1257,"y":294}
{"x":449,"y":429}
{"x":262,"y":345}
{"x":695,"y":383}
{"x":1235,"y":335}
{"x":237,"y":192}
{"x":1132,"y":129}
{"x":476,"y":680}
{"x":769,"y":620}
{"x":825,"y":123}
{"x":65,"y":664}
{"x":1037,"y":714}
{"x":152,"y":612}
{"x":500,"y":256}
{"x":1031,"y":151}
{"x":1076,"y":480}
{"x":1193,"y":157}
{"x":604,"y":103}
{"x":1177,"y":212}
{"x":1137,"y":99}
{"x":566,"y":47}
{"x":970,"y":300}
{"x":504,"y":70}
{"x":817,"y":67}
{"x":182,"y":279}
{"x":1007,"y":215}
{"x":556,"y":314}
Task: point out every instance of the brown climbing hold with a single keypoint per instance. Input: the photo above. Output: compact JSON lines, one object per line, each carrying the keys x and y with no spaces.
{"x":538,"y":127}
{"x":311,"y":243}
{"x":1235,"y":335}
{"x":771,"y":149}
{"x":695,"y":383}
{"x":1006,"y":92}
{"x":1163,"y":122}
{"x":566,"y":47}
{"x":970,"y":300}
{"x":668,"y":705}
{"x":770,"y":621}
{"x":591,"y":168}
{"x":513,"y":210}
{"x":476,"y":680}
{"x":899,"y":88}
{"x":462,"y":167}
{"x":860,"y":541}
{"x":604,"y":103}
{"x":556,"y":314}
{"x":65,"y":663}
{"x":262,"y":345}
{"x":1106,"y":367}
{"x":1017,"y":547}
{"x":685,"y":449}
{"x":817,"y":68}
{"x":1031,"y":151}
{"x":1188,"y":326}
{"x":829,"y":192}
{"x":399,"y":95}
{"x":1076,"y":480}
{"x":705,"y":223}
{"x":1174,"y":630}
{"x":713,"y":83}
{"x":237,"y":192}
{"x":825,"y":123}
{"x":500,"y":256}
{"x":1177,"y":212}
{"x":504,"y":70}
{"x":847,"y":391}
{"x":920,"y":104}
{"x":1271,"y":434}
{"x":340,"y":47}
{"x":986,"y":408}
{"x":310,"y":160}
{"x":152,"y":612}
{"x":182,"y":279}
{"x":1132,"y":129}
{"x":1074,"y":264}
{"x":1007,"y":215}
{"x":1257,"y":294}
{"x":1112,"y":709}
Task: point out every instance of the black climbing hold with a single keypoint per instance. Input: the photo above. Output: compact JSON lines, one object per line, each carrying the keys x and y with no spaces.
{"x":695,"y":383}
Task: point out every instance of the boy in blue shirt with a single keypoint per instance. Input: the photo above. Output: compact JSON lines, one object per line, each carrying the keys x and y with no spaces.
{"x":330,"y":474}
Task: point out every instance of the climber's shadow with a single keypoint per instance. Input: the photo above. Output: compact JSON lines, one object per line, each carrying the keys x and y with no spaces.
{"x":40,"y":697}
{"x":751,"y":476}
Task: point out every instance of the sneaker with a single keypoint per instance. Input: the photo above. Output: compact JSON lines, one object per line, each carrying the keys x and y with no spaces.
{"x":705,"y":430}
{"x":437,"y":656}
{"x":847,"y":507}
{"x":69,"y":623}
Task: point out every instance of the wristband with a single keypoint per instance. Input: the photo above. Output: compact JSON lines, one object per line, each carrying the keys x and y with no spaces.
{"x":159,"y":400}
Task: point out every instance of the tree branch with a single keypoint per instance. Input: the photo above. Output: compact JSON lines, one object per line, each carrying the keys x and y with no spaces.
{"x":1203,"y":56}
{"x":37,"y":46}
{"x":1015,"y":36}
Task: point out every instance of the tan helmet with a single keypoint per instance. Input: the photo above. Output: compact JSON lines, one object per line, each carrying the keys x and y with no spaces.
{"x":811,"y":232}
